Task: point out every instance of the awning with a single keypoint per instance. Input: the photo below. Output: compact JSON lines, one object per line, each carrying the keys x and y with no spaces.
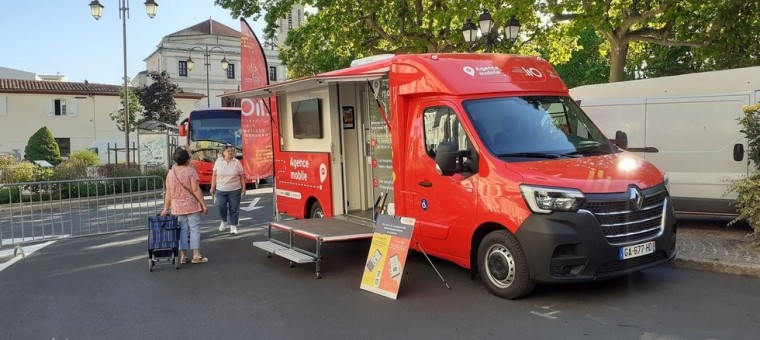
{"x":304,"y":84}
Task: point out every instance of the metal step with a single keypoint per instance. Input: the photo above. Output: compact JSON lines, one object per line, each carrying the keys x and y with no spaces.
{"x":269,"y":246}
{"x":295,"y":256}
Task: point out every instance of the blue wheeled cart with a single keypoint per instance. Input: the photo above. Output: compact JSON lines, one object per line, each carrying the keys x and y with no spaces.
{"x":163,"y":241}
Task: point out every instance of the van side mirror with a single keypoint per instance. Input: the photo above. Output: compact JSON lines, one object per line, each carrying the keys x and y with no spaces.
{"x":182,"y":130}
{"x":738,"y":152}
{"x":621,"y":139}
{"x":449,"y":160}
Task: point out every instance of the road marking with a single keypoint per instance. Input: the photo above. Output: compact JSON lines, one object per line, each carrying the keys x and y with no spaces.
{"x":549,"y":315}
{"x":252,"y":206}
{"x":28,"y":250}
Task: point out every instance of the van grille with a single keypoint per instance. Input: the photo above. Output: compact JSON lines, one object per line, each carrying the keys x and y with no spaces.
{"x":621,"y":224}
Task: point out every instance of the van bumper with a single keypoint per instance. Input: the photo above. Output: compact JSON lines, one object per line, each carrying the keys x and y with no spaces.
{"x":571,"y":247}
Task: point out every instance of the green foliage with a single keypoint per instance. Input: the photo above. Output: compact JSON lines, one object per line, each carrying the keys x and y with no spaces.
{"x":7,"y":160}
{"x":748,"y":202}
{"x":158,"y":99}
{"x":42,"y":146}
{"x":704,"y":34}
{"x":344,"y":30}
{"x":750,"y":124}
{"x":134,"y":110}
{"x":85,"y":157}
{"x":10,"y":194}
{"x":748,"y":188}
{"x":586,"y":66}
{"x":20,"y":172}
{"x":159,"y":171}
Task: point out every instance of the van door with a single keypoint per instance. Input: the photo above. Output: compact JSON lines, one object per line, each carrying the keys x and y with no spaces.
{"x":695,"y":138}
{"x":446,"y":205}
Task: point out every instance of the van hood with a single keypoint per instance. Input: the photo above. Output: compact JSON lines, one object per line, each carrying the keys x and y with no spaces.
{"x":595,"y":174}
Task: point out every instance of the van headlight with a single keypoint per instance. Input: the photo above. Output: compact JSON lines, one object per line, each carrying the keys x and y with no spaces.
{"x":547,"y":200}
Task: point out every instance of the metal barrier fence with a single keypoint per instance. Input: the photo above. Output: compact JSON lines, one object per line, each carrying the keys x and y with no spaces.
{"x":38,"y":211}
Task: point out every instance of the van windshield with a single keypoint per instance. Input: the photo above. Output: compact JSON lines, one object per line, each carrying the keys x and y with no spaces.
{"x":532,"y":127}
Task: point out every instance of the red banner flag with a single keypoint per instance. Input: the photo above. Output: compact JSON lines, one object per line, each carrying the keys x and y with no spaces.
{"x":255,"y":121}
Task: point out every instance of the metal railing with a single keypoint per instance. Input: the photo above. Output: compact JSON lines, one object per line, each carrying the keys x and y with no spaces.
{"x":39,"y":211}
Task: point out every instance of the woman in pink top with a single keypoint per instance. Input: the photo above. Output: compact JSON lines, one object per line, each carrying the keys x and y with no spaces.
{"x":185,"y":199}
{"x":228,"y":184}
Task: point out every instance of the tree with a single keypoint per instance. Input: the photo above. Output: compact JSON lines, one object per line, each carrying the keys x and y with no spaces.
{"x":42,"y":146}
{"x":701,"y":24}
{"x":587,"y":65}
{"x":722,"y":33}
{"x":134,"y":110}
{"x":158,"y":99}
{"x":343,"y":30}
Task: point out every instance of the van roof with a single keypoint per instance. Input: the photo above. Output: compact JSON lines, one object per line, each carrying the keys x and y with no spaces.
{"x":449,"y":73}
{"x":714,"y":82}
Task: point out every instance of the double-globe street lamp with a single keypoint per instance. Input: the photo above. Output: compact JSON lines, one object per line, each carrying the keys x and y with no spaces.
{"x":207,"y":62}
{"x":151,"y":7}
{"x":470,"y":30}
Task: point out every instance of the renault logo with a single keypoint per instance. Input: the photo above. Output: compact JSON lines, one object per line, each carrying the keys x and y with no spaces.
{"x":635,"y":198}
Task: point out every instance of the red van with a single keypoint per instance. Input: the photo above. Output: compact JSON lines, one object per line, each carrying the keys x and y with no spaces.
{"x":503,"y":172}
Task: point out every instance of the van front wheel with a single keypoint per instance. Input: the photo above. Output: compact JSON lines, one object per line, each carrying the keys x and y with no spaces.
{"x":503,"y":267}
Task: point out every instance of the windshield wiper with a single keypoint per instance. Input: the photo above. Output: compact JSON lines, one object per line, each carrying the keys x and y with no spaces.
{"x":596,"y":149}
{"x":529,"y":155}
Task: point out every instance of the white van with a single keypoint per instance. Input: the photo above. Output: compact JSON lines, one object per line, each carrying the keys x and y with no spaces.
{"x":687,"y":125}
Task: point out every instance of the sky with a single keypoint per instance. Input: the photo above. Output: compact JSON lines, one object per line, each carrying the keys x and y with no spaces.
{"x":61,"y":36}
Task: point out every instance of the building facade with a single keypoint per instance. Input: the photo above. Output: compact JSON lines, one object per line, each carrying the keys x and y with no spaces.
{"x":78,"y":114}
{"x":205,"y":43}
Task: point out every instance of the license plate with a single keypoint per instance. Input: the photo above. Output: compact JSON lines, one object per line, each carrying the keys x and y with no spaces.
{"x":636,"y":250}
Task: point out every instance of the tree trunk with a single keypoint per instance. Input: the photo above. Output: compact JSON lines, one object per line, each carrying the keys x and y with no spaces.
{"x":618,"y":55}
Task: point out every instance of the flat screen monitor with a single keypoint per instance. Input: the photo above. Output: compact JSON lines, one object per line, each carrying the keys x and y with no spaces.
{"x":307,"y":119}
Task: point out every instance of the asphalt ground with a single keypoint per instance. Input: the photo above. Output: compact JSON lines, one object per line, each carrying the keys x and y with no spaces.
{"x":100,"y":288}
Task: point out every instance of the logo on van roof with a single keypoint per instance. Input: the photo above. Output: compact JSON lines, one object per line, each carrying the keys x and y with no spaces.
{"x":482,"y":71}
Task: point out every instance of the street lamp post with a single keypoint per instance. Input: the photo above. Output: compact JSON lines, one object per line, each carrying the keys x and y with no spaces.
{"x":151,"y":7}
{"x":207,"y":61}
{"x":487,"y":31}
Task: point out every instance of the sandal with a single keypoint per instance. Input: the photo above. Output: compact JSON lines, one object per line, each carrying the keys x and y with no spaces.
{"x":200,"y":259}
{"x":183,"y":260}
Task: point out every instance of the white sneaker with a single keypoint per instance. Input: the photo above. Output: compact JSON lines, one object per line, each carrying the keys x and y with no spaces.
{"x":222,"y":226}
{"x":233,"y":229}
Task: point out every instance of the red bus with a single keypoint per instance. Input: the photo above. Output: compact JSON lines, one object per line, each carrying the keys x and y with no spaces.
{"x":207,"y":131}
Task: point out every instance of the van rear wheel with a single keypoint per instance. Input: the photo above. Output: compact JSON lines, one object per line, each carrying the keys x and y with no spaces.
{"x":503,"y":267}
{"x":316,"y":211}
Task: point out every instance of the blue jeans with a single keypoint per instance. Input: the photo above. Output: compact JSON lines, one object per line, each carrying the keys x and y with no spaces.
{"x":228,"y":200}
{"x":190,"y":225}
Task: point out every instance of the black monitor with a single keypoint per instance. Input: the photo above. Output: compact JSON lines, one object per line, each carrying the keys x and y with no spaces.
{"x":307,"y":119}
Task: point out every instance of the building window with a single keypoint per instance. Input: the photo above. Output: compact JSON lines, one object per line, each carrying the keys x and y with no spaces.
{"x":290,"y":21}
{"x":65,"y":145}
{"x":272,"y":73}
{"x":59,"y":107}
{"x":182,"y":68}
{"x":300,"y":18}
{"x":231,"y":71}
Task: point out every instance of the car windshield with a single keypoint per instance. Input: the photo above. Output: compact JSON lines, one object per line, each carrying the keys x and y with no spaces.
{"x":533,"y":127}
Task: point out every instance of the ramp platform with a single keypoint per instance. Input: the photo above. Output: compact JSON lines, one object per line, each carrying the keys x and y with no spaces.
{"x":321,"y":230}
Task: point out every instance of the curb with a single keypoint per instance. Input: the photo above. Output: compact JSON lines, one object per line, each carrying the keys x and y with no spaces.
{"x":718,"y":267}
